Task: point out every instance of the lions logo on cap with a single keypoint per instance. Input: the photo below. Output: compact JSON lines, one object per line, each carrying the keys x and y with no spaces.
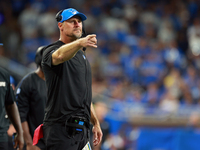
{"x":73,"y":12}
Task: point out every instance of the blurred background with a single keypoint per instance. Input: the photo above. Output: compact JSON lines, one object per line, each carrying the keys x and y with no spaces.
{"x":146,"y":83}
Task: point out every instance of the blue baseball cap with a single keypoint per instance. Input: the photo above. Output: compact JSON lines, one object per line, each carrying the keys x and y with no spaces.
{"x":69,"y":13}
{"x":1,"y":44}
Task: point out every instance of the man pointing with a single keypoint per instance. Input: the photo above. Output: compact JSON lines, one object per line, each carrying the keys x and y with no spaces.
{"x":69,"y":108}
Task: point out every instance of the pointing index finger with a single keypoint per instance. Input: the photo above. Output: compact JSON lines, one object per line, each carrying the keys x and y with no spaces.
{"x":92,"y":35}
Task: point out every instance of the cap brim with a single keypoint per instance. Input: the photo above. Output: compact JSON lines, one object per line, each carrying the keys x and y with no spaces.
{"x":1,"y":44}
{"x":83,"y":17}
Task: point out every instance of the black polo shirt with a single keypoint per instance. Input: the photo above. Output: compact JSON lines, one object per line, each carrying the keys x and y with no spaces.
{"x":68,"y":85}
{"x":31,"y":96}
{"x":6,"y":98}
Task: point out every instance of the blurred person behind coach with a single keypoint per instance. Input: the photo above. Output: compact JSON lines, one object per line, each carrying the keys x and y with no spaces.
{"x":31,"y":98}
{"x":8,"y":107}
{"x":69,"y":108}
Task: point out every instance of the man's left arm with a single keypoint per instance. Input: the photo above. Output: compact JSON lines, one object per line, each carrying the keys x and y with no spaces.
{"x":96,"y":127}
{"x":13,"y":115}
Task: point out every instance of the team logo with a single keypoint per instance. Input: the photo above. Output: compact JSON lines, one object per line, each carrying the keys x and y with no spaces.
{"x":74,"y":12}
{"x":3,"y":84}
{"x":18,"y":91}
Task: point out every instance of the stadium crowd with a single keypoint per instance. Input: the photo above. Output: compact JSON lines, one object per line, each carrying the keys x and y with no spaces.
{"x":148,"y":51}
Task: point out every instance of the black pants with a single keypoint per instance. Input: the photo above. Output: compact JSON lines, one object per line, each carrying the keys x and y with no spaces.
{"x":41,"y":144}
{"x":3,"y":145}
{"x":56,"y":138}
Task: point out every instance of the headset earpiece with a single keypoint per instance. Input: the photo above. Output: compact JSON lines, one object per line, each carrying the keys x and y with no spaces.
{"x":59,"y":16}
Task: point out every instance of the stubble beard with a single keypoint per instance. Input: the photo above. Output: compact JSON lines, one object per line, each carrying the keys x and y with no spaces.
{"x":74,"y":36}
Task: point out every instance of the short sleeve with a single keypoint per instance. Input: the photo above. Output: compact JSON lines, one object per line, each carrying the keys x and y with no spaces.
{"x":22,"y":98}
{"x":47,"y":56}
{"x":6,"y":90}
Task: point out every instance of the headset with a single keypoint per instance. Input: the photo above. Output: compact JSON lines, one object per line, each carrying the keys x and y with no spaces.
{"x":59,"y":16}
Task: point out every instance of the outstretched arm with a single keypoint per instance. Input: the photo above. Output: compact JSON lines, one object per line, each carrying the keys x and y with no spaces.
{"x":69,"y":50}
{"x":13,"y":115}
{"x":96,"y":127}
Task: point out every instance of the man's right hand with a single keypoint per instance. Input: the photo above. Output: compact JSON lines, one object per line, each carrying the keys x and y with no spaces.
{"x":19,"y":141}
{"x":89,"y":41}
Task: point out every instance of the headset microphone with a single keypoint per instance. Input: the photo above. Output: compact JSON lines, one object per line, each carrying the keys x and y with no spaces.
{"x":84,"y":35}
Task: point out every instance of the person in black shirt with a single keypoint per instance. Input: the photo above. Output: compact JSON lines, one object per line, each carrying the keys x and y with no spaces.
{"x":68,"y":79}
{"x":8,"y":107}
{"x":31,"y":97}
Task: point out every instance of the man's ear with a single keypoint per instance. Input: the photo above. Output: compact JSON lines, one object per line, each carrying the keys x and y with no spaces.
{"x":60,"y":26}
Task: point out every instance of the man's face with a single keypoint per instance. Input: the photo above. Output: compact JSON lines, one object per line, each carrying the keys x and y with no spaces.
{"x":73,"y":27}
